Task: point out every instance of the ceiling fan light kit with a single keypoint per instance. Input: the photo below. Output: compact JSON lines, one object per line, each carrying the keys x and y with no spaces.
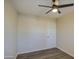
{"x":55,"y":10}
{"x":55,"y":7}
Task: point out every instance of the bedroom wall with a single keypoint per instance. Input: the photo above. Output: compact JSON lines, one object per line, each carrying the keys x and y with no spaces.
{"x":65,"y":33}
{"x":35,"y":33}
{"x":10,"y":22}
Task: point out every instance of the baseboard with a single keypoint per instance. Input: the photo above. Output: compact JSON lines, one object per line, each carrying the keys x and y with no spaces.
{"x":65,"y":52}
{"x":34,"y":50}
{"x":9,"y":57}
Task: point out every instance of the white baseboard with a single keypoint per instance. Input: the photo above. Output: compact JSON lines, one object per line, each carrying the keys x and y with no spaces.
{"x":66,"y":52}
{"x":33,"y":50}
{"x":9,"y":57}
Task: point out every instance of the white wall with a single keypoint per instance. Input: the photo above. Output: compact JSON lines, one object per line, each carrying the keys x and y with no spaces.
{"x":10,"y":31}
{"x":35,"y":33}
{"x":65,"y":33}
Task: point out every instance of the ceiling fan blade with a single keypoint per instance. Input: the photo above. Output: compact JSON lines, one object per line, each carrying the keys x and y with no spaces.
{"x":48,"y":11}
{"x":59,"y":11}
{"x":45,"y":6}
{"x":66,"y":5}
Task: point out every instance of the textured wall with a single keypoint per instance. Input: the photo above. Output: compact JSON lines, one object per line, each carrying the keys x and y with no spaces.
{"x":35,"y":33}
{"x":65,"y":33}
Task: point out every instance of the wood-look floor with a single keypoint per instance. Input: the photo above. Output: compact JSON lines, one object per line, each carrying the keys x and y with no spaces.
{"x":45,"y":54}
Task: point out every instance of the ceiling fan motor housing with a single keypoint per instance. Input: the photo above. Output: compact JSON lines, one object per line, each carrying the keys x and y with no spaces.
{"x":54,"y":6}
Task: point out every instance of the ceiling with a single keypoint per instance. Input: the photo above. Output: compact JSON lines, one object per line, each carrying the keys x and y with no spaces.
{"x":31,"y":7}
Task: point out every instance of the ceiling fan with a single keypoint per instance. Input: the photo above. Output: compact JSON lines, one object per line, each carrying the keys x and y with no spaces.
{"x":55,"y":7}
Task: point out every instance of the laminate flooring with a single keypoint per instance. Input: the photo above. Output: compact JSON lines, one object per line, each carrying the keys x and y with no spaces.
{"x":53,"y":53}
